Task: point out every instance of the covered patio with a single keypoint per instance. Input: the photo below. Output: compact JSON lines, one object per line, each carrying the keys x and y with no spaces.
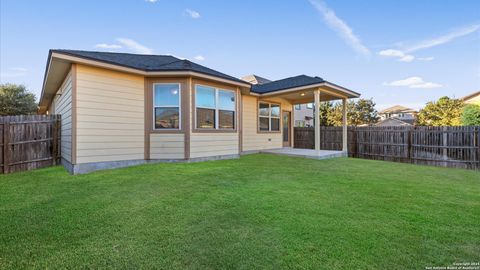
{"x":306,"y":153}
{"x":305,"y":89}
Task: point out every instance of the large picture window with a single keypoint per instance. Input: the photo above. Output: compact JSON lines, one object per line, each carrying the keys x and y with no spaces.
{"x":166,"y":105}
{"x":268,"y":117}
{"x":215,"y":108}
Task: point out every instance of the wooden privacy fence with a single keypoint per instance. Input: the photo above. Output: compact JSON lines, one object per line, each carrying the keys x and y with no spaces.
{"x":457,"y":147}
{"x":29,"y":142}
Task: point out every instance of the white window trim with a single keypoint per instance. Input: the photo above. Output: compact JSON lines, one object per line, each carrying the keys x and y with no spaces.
{"x":168,"y":106}
{"x":216,"y":108}
{"x":269,"y":117}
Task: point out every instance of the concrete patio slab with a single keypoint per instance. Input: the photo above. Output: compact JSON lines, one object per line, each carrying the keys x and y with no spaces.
{"x":306,"y":153}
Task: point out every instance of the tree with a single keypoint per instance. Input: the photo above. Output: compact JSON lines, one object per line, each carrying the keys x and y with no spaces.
{"x":326,"y":110}
{"x":471,"y":115}
{"x":16,"y":100}
{"x":443,"y":112}
{"x":359,"y":112}
{"x":363,"y":112}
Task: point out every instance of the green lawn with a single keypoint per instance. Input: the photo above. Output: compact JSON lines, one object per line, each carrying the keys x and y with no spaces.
{"x":261,"y":211}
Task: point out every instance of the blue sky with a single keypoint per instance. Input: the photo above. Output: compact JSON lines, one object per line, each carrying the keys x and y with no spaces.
{"x":396,"y":52}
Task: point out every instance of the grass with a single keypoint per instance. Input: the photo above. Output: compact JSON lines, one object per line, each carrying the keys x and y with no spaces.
{"x":261,"y":211}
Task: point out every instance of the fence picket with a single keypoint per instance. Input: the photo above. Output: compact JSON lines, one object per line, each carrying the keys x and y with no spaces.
{"x":439,"y":146}
{"x":29,"y":142}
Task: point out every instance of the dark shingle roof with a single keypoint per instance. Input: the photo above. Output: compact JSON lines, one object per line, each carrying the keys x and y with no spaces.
{"x":297,"y":81}
{"x":147,"y":62}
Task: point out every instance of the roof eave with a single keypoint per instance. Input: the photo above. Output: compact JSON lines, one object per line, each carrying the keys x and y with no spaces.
{"x":53,"y":54}
{"x":110,"y":65}
{"x":349,"y":93}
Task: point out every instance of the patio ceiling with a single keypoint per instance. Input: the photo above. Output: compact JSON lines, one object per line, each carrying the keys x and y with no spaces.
{"x":305,"y":95}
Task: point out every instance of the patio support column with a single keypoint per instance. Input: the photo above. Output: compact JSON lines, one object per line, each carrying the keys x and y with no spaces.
{"x":344,"y":125}
{"x":316,"y":95}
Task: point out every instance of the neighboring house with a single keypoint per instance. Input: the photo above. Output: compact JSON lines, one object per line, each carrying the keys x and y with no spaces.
{"x":401,"y":116}
{"x":473,"y":98}
{"x":393,"y":121}
{"x":123,"y":109}
{"x":304,"y":115}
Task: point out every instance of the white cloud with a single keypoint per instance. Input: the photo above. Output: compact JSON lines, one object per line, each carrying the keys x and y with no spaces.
{"x":341,"y":27}
{"x":199,"y":58}
{"x":426,"y":58}
{"x":407,"y":58}
{"x":392,"y":53}
{"x":413,"y":82}
{"x":108,"y":46}
{"x":151,"y":1}
{"x":404,"y":55}
{"x":443,"y":39}
{"x":134,"y":46}
{"x":192,"y":13}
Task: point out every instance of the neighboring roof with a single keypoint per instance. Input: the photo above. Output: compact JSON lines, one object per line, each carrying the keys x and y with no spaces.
{"x":393,"y":121}
{"x":468,"y":97}
{"x":255,"y":79}
{"x":301,"y":80}
{"x":147,"y":62}
{"x":397,"y":109}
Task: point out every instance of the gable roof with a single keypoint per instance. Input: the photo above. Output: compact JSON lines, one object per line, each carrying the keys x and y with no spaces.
{"x":146,"y":62}
{"x":255,"y":79}
{"x":59,"y":62}
{"x":393,"y":121}
{"x":468,"y":97}
{"x":397,"y":109}
{"x":297,"y":81}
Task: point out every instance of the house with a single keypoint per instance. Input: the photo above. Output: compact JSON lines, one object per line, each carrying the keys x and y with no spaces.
{"x":393,"y":121}
{"x":121,"y":109}
{"x":473,"y":98}
{"x":303,"y":115}
{"x":401,"y":116}
{"x":255,"y":79}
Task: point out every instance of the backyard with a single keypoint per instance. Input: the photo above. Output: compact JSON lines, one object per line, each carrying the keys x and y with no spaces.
{"x":261,"y":211}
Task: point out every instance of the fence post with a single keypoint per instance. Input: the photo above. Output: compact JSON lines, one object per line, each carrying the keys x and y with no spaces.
{"x":445,"y":144}
{"x":6,"y":146}
{"x":410,"y":144}
{"x":54,"y":142}
{"x":477,"y":142}
{"x":355,"y":141}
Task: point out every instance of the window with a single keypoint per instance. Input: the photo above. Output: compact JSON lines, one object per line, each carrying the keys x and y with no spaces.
{"x":297,"y":107}
{"x":166,"y":105}
{"x":309,"y":105}
{"x":268,"y":117}
{"x":215,"y":108}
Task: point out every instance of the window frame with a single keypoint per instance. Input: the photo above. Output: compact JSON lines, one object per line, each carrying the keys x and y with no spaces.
{"x":269,"y":117}
{"x":216,"y":109}
{"x":169,"y":106}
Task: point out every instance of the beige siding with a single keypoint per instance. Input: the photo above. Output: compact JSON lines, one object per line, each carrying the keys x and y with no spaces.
{"x":252,"y":140}
{"x":213,"y":144}
{"x":167,"y":146}
{"x":474,"y":100}
{"x":62,"y":104}
{"x":204,"y":144}
{"x":110,"y":115}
